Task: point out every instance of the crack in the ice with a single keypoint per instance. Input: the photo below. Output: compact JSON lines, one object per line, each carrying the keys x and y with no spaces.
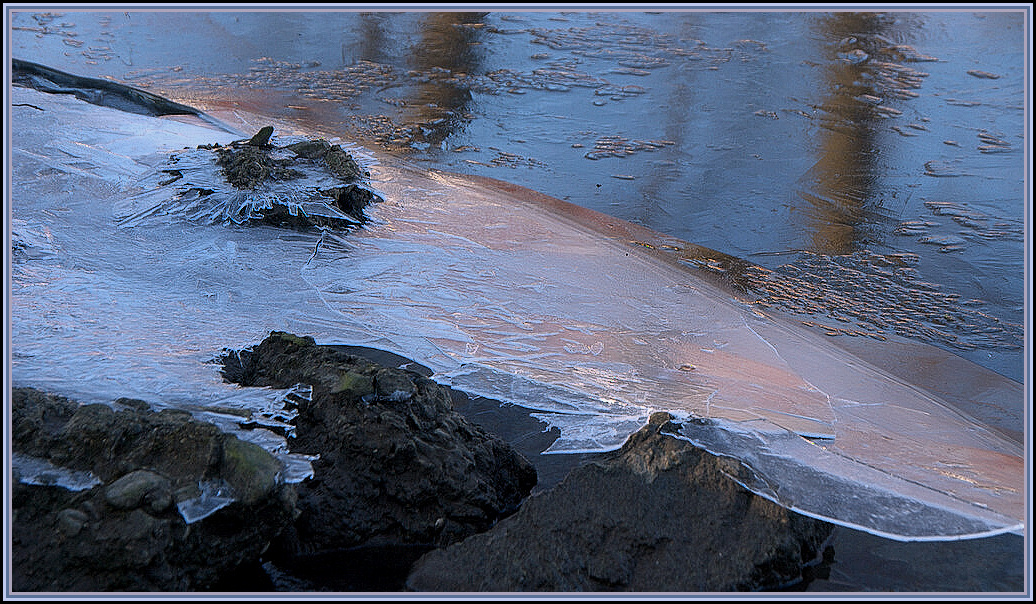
{"x":827,"y":397}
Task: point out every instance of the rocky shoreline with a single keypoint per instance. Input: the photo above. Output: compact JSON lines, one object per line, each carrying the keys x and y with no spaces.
{"x":406,"y":495}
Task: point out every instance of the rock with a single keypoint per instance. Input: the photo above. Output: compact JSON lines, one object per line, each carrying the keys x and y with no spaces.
{"x":126,"y":534}
{"x":249,"y":470}
{"x":310,"y":149}
{"x":657,"y":515}
{"x":399,"y":470}
{"x":352,"y":199}
{"x":37,"y":423}
{"x":261,"y":138}
{"x":140,"y":488}
{"x":337,"y":160}
{"x":244,"y":167}
{"x":341,"y":164}
{"x":71,"y":521}
{"x":247,"y":164}
{"x":97,"y":91}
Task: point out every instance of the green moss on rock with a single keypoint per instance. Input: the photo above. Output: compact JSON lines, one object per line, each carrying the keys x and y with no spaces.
{"x":354,"y":384}
{"x":249,"y":469}
{"x":293,"y":339}
{"x":140,"y":488}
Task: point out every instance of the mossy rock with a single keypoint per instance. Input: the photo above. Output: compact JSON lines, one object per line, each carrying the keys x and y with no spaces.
{"x":354,"y":385}
{"x":249,"y":469}
{"x":293,"y":339}
{"x":341,"y":164}
{"x":140,"y":488}
{"x":125,"y":534}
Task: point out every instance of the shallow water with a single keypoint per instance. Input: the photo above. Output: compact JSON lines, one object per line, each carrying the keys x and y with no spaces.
{"x":564,"y":68}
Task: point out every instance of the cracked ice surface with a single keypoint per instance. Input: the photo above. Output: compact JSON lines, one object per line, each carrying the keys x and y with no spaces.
{"x":500,"y":291}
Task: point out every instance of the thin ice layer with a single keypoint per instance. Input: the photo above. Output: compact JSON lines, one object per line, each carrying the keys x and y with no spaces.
{"x":500,"y":291}
{"x":213,"y":497}
{"x":100,"y":312}
{"x":595,"y":333}
{"x":33,"y":470}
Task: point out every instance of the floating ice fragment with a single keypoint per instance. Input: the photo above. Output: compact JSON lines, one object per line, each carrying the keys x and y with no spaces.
{"x":943,"y":240}
{"x":297,"y":467}
{"x":983,"y":74}
{"x":854,"y":56}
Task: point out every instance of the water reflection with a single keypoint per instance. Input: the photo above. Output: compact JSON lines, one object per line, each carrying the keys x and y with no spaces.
{"x":449,"y":49}
{"x":372,"y":42}
{"x":844,"y":189}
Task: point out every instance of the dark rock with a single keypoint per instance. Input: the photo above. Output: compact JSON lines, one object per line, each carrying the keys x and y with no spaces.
{"x":657,"y":515}
{"x":261,"y":138}
{"x":244,"y":167}
{"x":126,"y":534}
{"x":341,"y":164}
{"x":71,"y":521}
{"x":97,"y":91}
{"x":246,"y":164}
{"x":399,"y":470}
{"x":337,"y":160}
{"x":140,"y":488}
{"x":37,"y":423}
{"x":311,"y":149}
{"x":352,"y":199}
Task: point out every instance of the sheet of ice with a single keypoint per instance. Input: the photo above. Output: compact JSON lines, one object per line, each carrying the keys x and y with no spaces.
{"x":540,"y":309}
{"x":99,"y":312}
{"x":33,"y":470}
{"x":214,"y":496}
{"x":503,"y":293}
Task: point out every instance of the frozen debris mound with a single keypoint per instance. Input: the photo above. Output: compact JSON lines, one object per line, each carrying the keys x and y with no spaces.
{"x":302,"y":184}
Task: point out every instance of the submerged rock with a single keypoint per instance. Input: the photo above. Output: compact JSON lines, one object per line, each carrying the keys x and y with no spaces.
{"x":657,"y":515}
{"x":125,"y":531}
{"x":399,"y":472}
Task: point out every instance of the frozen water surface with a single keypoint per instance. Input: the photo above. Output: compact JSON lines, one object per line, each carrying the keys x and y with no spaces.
{"x":590,"y":322}
{"x":213,"y":497}
{"x":33,"y":470}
